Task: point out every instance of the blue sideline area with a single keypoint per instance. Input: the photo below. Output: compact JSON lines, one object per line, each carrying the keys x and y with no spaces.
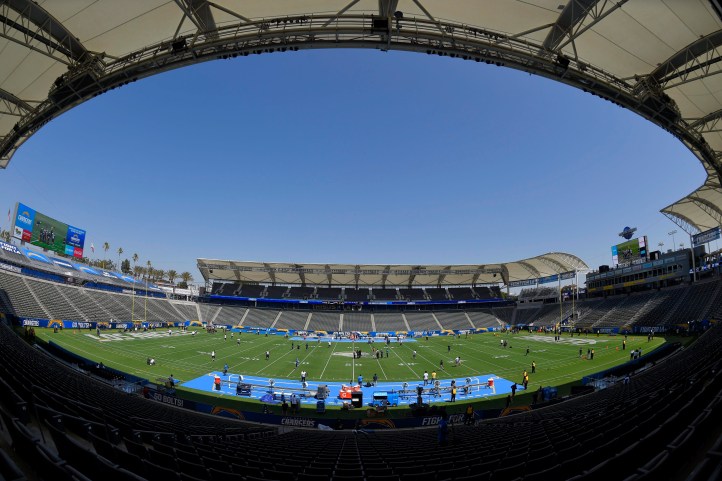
{"x":260,"y":389}
{"x":377,"y":341}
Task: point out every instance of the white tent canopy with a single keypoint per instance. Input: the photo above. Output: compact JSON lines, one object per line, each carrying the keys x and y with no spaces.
{"x":379,"y":275}
{"x":660,"y":59}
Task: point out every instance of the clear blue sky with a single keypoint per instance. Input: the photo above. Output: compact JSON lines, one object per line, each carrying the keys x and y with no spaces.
{"x":349,"y":156}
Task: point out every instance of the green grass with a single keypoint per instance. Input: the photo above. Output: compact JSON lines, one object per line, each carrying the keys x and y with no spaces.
{"x":188,"y":357}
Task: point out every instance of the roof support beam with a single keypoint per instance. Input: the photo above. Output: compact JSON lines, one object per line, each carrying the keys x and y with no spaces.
{"x":712,"y":210}
{"x":669,"y":69}
{"x":708,"y":123}
{"x":387,"y":7}
{"x":198,"y":12}
{"x":557,"y":266}
{"x":573,"y":13}
{"x":11,"y":105}
{"x":230,"y":12}
{"x":271,"y":274}
{"x":49,"y":27}
{"x":340,"y":12}
{"x":682,"y":222}
{"x":51,"y":48}
{"x":598,"y":13}
{"x":530,"y":268}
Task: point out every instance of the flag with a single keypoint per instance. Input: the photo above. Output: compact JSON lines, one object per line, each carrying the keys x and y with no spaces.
{"x":92,"y":247}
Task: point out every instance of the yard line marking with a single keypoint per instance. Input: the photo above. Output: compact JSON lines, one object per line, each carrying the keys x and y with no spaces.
{"x":329,"y":359}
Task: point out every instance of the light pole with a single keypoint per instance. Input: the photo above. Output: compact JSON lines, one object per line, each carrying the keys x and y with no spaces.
{"x":661,"y":245}
{"x":674,"y":246}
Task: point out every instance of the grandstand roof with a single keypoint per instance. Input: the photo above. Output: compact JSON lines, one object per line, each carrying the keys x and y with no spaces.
{"x":658,"y":59}
{"x":377,"y":275}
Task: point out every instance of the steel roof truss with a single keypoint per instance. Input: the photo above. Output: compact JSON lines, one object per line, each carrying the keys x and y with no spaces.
{"x":37,"y":24}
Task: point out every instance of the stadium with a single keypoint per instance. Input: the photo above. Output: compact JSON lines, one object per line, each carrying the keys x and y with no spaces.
{"x":298,"y":371}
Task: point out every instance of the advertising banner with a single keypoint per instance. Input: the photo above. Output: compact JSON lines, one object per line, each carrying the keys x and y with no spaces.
{"x":44,"y":231}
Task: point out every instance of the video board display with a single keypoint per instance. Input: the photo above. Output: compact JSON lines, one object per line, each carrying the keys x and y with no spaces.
{"x":43,"y":231}
{"x":629,"y":252}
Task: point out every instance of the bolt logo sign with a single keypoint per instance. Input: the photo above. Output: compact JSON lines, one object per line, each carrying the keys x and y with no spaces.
{"x":43,"y":231}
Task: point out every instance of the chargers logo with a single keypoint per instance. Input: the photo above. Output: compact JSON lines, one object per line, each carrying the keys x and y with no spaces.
{"x":227,"y":412}
{"x":377,"y":423}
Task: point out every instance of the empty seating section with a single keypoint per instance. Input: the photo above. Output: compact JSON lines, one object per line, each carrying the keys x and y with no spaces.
{"x":504,"y":314}
{"x":539,"y":293}
{"x":623,"y":314}
{"x":460,"y":293}
{"x":325,"y":321}
{"x":328,"y":293}
{"x":384,"y":294}
{"x":276,"y":292}
{"x":483,"y":318}
{"x":90,"y":308}
{"x":292,"y":320}
{"x":208,"y":312}
{"x":589,"y":317}
{"x":231,"y":315}
{"x":55,"y":303}
{"x":389,"y":321}
{"x":412,"y":294}
{"x":551,"y":313}
{"x":260,"y":317}
{"x":660,"y":307}
{"x":437,"y":294}
{"x":668,"y":411}
{"x":251,"y":290}
{"x":301,"y":292}
{"x":527,"y":315}
{"x":698,"y":301}
{"x":356,"y":295}
{"x":224,"y":289}
{"x":453,"y":319}
{"x":22,"y":299}
{"x":421,"y":321}
{"x":357,"y":321}
{"x":35,"y":298}
{"x":186,"y":309}
{"x":483,"y":292}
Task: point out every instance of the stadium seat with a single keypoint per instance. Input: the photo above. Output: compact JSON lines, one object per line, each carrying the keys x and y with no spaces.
{"x":192,"y":469}
{"x":154,"y":471}
{"x":9,"y":470}
{"x":217,"y":475}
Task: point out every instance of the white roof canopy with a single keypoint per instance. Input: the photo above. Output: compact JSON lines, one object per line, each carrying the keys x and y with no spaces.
{"x":380,"y":275}
{"x":660,"y":59}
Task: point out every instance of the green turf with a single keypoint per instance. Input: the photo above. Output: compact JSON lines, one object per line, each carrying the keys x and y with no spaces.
{"x":188,"y":357}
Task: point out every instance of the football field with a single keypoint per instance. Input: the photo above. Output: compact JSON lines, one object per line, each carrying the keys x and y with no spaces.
{"x":188,"y":356}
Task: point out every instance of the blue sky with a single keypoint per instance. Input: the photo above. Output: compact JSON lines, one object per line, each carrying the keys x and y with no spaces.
{"x":349,"y":156}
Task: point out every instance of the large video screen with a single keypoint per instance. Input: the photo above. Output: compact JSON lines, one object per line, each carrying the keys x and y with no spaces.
{"x":40,"y":230}
{"x":630,"y":251}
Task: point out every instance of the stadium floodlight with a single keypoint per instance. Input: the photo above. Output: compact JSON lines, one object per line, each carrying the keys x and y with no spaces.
{"x":674,"y":246}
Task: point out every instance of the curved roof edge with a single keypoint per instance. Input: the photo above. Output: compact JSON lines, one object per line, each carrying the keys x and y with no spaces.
{"x":396,"y":275}
{"x":700,"y":210}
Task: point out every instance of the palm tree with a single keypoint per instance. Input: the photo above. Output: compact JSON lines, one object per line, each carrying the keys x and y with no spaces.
{"x":171,"y":275}
{"x":160,"y":274}
{"x":186,"y":277}
{"x":135,"y":259}
{"x":106,"y":248}
{"x":120,"y":252}
{"x":5,"y":235}
{"x":150,"y":268}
